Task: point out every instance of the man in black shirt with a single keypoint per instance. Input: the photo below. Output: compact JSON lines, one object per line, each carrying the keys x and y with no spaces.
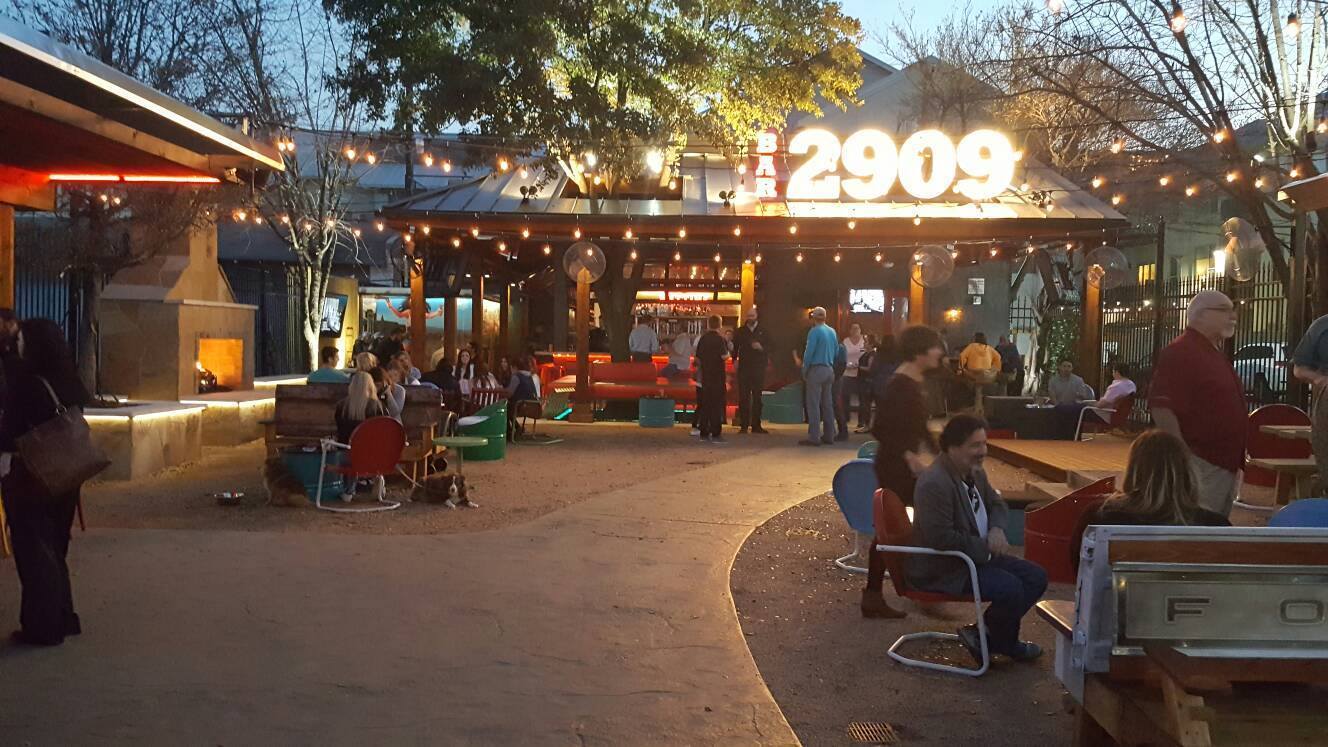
{"x":750,"y":345}
{"x":711,"y":351}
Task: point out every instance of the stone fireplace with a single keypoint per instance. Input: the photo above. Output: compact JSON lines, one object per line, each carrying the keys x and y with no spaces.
{"x":169,"y":320}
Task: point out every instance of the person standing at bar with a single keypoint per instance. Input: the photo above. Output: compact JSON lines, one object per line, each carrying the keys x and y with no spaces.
{"x":711,"y":352}
{"x":1310,"y":365}
{"x":750,"y":345}
{"x":642,"y":341}
{"x":1197,"y":396}
{"x":818,"y":374}
{"x":903,"y":438}
{"x":853,"y":393}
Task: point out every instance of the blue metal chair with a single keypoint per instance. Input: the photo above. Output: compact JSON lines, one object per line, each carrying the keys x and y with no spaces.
{"x":853,"y":487}
{"x":1306,"y":512}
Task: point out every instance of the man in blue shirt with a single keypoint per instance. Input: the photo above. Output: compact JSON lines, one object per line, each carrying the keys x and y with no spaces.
{"x":327,"y":372}
{"x":818,"y":375}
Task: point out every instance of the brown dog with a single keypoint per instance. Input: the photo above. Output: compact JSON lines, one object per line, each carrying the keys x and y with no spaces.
{"x":449,"y":490}
{"x":282,"y":487}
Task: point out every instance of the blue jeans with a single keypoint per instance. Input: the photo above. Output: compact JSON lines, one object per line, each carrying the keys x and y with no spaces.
{"x":820,"y":383}
{"x":1012,"y":585}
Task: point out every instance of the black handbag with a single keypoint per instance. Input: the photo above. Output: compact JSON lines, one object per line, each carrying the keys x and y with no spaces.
{"x":59,"y":453}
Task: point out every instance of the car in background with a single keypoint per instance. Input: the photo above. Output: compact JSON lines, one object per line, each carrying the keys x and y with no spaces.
{"x":1263,"y":368}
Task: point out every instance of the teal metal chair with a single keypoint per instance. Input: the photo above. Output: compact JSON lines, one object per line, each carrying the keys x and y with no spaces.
{"x":493,"y":427}
{"x":783,"y":406}
{"x":868,"y":450}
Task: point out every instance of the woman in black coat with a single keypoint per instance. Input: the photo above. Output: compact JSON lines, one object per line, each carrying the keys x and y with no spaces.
{"x":39,"y":523}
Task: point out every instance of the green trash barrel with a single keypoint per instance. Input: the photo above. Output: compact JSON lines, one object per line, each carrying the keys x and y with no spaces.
{"x":656,"y":412}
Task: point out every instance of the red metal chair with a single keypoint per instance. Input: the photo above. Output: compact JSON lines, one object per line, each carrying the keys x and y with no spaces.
{"x":374,"y":450}
{"x":1260,"y":445}
{"x":894,"y":538}
{"x":1049,"y":530}
{"x":1116,"y":417}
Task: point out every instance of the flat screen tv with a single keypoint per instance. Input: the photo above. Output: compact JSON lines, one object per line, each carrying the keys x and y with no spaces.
{"x":334,"y":314}
{"x":866,"y":301}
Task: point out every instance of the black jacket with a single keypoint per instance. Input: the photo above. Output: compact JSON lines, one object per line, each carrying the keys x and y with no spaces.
{"x":748,"y":358}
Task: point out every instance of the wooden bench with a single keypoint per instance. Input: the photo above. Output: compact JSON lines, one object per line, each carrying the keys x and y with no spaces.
{"x":306,"y":413}
{"x":1292,"y":475}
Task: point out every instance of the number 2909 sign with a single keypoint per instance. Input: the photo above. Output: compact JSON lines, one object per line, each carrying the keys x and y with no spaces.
{"x":926,"y":165}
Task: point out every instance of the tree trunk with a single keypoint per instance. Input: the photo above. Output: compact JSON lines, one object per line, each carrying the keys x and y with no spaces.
{"x":313,"y":283}
{"x":90,"y":291}
{"x":617,"y":296}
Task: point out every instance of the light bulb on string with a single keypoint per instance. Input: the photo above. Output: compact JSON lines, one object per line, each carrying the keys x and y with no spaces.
{"x":1116,"y":199}
{"x":524,"y":172}
{"x":525,"y":233}
{"x":1098,"y":182}
{"x":591,"y":159}
{"x":502,"y":246}
{"x":1220,"y":136}
{"x":475,"y":231}
{"x":590,"y":252}
{"x":504,"y":164}
{"x":1191,"y":191}
{"x":1164,"y":181}
{"x":852,"y":225}
{"x":627,"y":234}
{"x":879,"y":256}
{"x":456,"y":242}
{"x":1322,"y":127}
{"x":1258,"y":182}
{"x":1295,"y":172}
{"x":378,"y":224}
{"x":682,"y":233}
{"x":758,"y":258}
{"x":370,"y":158}
{"x":1232,"y":176}
{"x":355,"y":232}
{"x":737,"y":230}
{"x":917,"y":220}
{"x":428,"y":159}
{"x":793,"y":229}
{"x":576,"y":232}
{"x":633,"y":255}
{"x":426,"y":229}
{"x":447,"y":166}
{"x":1117,"y":145}
{"x":838,"y":257}
{"x":799,"y":257}
{"x":742,"y":168}
{"x":673,"y":184}
{"x":1055,"y":6}
{"x":1178,"y":20}
{"x":597,"y":180}
{"x":349,"y":153}
{"x":994,"y":251}
{"x":717,"y":257}
{"x":677,"y":256}
{"x":547,"y":250}
{"x":1293,"y":25}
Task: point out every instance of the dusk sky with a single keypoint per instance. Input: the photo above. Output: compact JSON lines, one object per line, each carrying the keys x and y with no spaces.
{"x":878,"y":16}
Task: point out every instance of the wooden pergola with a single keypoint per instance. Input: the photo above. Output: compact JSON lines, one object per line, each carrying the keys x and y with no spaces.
{"x":66,"y":118}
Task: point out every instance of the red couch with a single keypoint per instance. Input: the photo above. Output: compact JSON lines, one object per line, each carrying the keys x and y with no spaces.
{"x":627,"y":381}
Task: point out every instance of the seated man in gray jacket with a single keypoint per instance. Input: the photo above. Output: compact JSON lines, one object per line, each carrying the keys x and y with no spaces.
{"x":955,"y":508}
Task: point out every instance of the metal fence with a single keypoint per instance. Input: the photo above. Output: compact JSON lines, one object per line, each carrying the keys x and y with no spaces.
{"x":1260,"y":348}
{"x":275,"y":290}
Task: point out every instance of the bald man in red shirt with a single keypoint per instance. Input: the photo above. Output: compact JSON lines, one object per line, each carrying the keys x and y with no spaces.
{"x":1197,"y":396}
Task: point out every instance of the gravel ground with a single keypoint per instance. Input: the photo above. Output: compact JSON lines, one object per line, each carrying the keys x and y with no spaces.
{"x":530,"y":482}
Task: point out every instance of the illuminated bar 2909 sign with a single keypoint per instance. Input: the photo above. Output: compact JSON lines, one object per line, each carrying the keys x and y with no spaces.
{"x":983,"y":162}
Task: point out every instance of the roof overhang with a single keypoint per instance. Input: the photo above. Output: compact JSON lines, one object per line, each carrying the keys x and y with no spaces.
{"x":73,"y":115}
{"x":1306,"y":195}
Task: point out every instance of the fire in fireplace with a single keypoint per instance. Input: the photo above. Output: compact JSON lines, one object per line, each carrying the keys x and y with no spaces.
{"x":220,"y":364}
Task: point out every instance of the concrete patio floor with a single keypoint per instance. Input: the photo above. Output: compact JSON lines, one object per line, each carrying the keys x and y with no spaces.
{"x":609,"y":622}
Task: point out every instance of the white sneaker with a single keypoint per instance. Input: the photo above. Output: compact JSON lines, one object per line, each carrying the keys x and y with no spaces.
{"x":696,"y":431}
{"x":347,"y":497}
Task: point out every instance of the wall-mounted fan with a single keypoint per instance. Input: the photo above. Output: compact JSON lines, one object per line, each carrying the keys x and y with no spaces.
{"x":1245,"y":248}
{"x":1107,"y":267}
{"x":932,"y":266}
{"x":584,"y":255}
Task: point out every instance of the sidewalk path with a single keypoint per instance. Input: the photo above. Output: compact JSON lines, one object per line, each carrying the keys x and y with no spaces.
{"x":609,"y":622}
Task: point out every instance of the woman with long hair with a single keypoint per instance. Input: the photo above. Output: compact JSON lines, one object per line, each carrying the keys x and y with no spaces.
{"x":901,"y":432}
{"x":464,"y":371}
{"x":38,"y":522}
{"x":1159,"y":490}
{"x":360,"y":404}
{"x":506,"y":370}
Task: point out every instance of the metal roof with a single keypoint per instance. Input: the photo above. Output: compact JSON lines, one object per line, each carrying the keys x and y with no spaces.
{"x":99,"y":120}
{"x":495,"y":198}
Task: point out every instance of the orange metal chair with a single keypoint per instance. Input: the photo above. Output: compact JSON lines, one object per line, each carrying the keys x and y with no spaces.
{"x":894,"y":538}
{"x":1049,"y":530}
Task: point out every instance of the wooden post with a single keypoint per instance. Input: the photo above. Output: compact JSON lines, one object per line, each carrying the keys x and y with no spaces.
{"x":1296,"y":322}
{"x":450,"y":329}
{"x":477,"y":312}
{"x":1159,"y":286}
{"x":748,"y":288}
{"x":917,"y":302}
{"x":1090,"y":335}
{"x":7,"y":256}
{"x":419,"y":308}
{"x":583,"y":408}
{"x":504,"y":344}
{"x":559,"y":307}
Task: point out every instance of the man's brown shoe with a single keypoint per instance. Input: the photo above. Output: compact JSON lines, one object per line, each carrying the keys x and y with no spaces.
{"x":875,"y":607}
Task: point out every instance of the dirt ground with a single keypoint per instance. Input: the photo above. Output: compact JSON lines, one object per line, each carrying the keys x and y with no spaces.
{"x":532,"y":481}
{"x":827,"y":666}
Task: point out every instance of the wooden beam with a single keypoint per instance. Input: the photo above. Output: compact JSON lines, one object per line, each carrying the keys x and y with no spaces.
{"x":26,"y":189}
{"x":748,"y":288}
{"x":6,"y":256}
{"x":477,"y":311}
{"x":419,"y":309}
{"x":583,"y":408}
{"x":450,"y":329}
{"x":1090,"y":336}
{"x":504,"y":344}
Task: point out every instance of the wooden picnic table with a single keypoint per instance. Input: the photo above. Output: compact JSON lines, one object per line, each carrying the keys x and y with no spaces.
{"x":1301,"y":432}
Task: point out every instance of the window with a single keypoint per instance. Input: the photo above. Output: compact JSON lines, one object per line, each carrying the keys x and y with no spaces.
{"x":1147,"y":273}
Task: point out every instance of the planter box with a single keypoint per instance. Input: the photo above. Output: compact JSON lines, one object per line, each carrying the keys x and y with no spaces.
{"x":234,"y":418}
{"x":145,"y":438}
